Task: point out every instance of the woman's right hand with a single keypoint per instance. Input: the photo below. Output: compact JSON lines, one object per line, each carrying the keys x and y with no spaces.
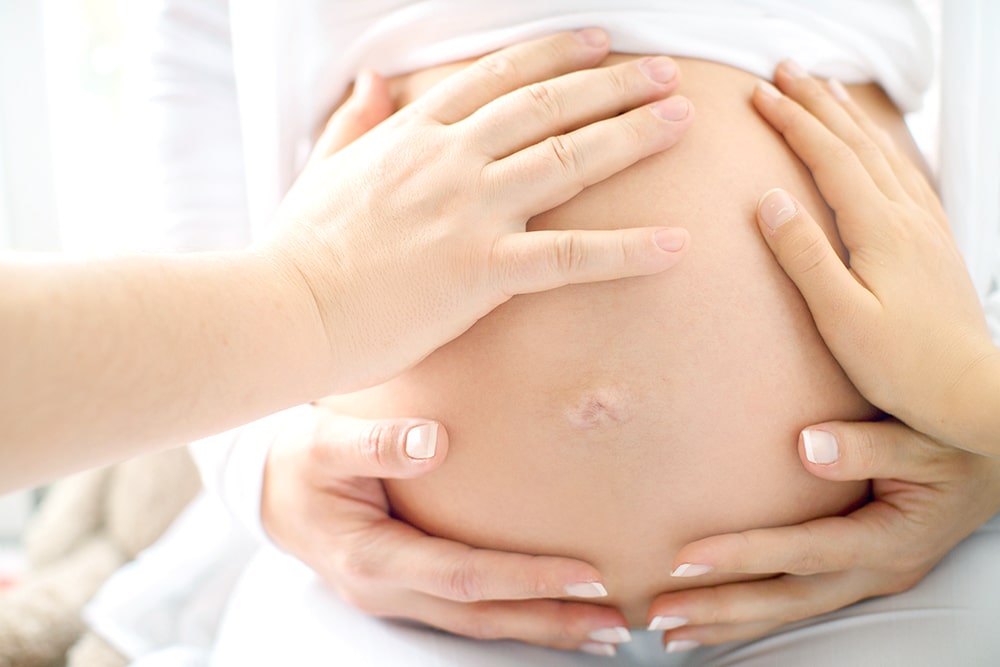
{"x":323,"y":502}
{"x":401,"y":241}
{"x":903,"y":318}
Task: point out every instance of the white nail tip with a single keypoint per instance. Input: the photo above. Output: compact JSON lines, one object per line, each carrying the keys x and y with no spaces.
{"x":679,"y":645}
{"x":617,"y":635}
{"x":421,"y":441}
{"x":821,"y":447}
{"x":667,"y":622}
{"x":587,"y":589}
{"x":599,"y":649}
{"x":690,"y":570}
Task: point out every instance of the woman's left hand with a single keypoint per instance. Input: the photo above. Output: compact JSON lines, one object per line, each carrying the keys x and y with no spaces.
{"x":903,"y":318}
{"x":927,"y":498}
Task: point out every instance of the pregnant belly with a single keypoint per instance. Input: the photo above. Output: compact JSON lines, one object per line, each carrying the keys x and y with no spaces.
{"x":616,"y":422}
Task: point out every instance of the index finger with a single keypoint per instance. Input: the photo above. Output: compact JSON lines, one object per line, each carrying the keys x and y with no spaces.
{"x":840,"y":176}
{"x":830,"y":544}
{"x":506,"y":70}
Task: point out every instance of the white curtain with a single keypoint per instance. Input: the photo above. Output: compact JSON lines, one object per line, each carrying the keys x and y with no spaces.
{"x":970,"y":139}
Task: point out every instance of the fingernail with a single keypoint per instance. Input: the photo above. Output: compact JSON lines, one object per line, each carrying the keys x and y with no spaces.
{"x":667,"y":622}
{"x":659,"y":69}
{"x":821,"y":447}
{"x":672,"y":108}
{"x":421,"y":441}
{"x":587,"y":589}
{"x":838,"y":91}
{"x":776,"y":208}
{"x":690,"y":570}
{"x":670,"y":240}
{"x":594,"y":648}
{"x":768,"y":89}
{"x":793,"y":69}
{"x":616,"y":635}
{"x":678,"y":645}
{"x":592,"y":37}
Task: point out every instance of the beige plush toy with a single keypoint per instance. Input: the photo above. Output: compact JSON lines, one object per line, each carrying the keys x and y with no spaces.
{"x":87,"y":527}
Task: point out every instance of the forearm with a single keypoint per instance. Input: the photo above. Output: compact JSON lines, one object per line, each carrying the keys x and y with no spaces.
{"x":145,"y":353}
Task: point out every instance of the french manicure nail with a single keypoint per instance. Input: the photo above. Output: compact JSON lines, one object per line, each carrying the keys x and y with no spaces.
{"x":421,"y":441}
{"x":616,"y":635}
{"x":595,"y":648}
{"x":672,"y":108}
{"x":659,"y":69}
{"x":594,"y":37}
{"x":794,"y":69}
{"x":768,"y":88}
{"x":667,"y":622}
{"x":838,"y":91}
{"x":678,"y":645}
{"x":691,"y":570}
{"x":587,"y":589}
{"x":776,"y":208}
{"x":821,"y":447}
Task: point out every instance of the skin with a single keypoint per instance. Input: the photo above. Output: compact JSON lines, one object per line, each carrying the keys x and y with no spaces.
{"x":927,"y":496}
{"x":904,"y":320}
{"x":368,"y":273}
{"x":328,"y":472}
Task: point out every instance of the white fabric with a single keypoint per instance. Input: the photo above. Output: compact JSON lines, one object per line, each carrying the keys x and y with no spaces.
{"x":949,"y":618}
{"x":169,"y":598}
{"x":294,"y":59}
{"x":232,"y":465}
{"x":251,"y":100}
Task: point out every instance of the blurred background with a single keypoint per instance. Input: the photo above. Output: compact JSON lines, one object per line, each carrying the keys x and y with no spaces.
{"x":66,"y":177}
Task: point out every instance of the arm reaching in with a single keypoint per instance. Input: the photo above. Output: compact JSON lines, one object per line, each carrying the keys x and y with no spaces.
{"x":903,"y":318}
{"x":386,"y":251}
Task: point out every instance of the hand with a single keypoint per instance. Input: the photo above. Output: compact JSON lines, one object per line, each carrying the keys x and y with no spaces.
{"x":322,"y":503}
{"x":903,"y":319}
{"x":927,"y":497}
{"x":416,"y":230}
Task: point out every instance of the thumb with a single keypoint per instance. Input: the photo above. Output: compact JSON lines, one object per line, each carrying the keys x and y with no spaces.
{"x":805,"y":253}
{"x":543,"y":260}
{"x":887,"y":449}
{"x":369,"y":104}
{"x":377,"y":448}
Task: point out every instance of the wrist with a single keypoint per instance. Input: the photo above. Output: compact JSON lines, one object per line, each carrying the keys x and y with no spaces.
{"x":972,"y":417}
{"x":304,"y":343}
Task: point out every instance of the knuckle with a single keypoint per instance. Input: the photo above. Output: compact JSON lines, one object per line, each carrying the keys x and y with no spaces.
{"x":546,"y":100}
{"x":808,"y":250}
{"x":569,"y":253}
{"x":464,"y":583}
{"x":865,"y":448}
{"x":356,"y":565}
{"x":562,"y":150}
{"x":499,"y":66}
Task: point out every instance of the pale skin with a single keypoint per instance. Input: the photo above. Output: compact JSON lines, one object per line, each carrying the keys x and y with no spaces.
{"x":328,"y":473}
{"x":907,"y":284}
{"x":927,"y":498}
{"x":385,"y":251}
